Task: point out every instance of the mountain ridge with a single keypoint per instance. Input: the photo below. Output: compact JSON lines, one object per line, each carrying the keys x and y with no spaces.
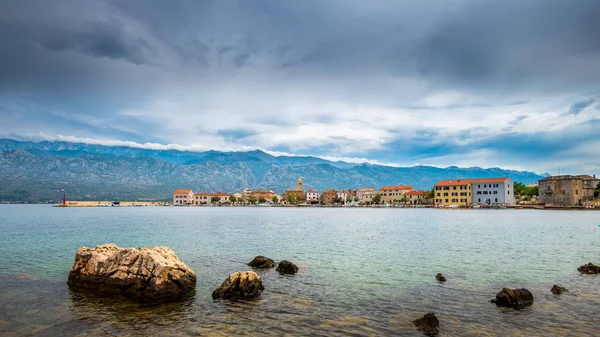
{"x":34,"y":172}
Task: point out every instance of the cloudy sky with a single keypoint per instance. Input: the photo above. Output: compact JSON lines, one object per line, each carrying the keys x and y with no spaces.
{"x":510,"y":83}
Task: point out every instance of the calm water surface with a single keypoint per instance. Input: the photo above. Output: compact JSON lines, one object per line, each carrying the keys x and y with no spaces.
{"x":362,"y":271}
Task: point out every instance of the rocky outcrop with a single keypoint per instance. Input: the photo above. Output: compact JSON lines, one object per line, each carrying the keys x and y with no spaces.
{"x":241,"y":285}
{"x":149,"y":274}
{"x":287,"y":267}
{"x":262,"y":262}
{"x":513,"y":298}
{"x":428,"y":324}
{"x":589,"y":268}
{"x":557,"y":290}
{"x":440,"y":277}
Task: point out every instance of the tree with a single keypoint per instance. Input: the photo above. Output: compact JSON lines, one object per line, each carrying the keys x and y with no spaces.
{"x":252,"y":200}
{"x":214,"y":200}
{"x":404,"y":200}
{"x":233,"y":199}
{"x":377,"y":198}
{"x":349,"y":199}
{"x":262,"y":200}
{"x":519,"y":188}
{"x":356,"y":199}
{"x":274,"y":199}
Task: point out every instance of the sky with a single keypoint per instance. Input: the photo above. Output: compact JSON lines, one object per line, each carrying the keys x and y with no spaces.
{"x":511,"y":83}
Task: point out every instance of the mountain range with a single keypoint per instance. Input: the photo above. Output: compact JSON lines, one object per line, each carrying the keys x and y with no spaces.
{"x":35,"y":172}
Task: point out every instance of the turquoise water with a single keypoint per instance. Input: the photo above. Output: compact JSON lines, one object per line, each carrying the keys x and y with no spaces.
{"x":362,"y":271}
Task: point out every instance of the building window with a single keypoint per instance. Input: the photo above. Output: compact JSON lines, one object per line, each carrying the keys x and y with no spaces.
{"x":454,"y":187}
{"x":446,"y":200}
{"x":479,"y":200}
{"x":577,"y":192}
{"x":478,"y":192}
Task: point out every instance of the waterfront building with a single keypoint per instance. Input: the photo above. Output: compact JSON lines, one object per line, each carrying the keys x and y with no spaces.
{"x":295,"y":194}
{"x":183,"y":197}
{"x":453,"y":192}
{"x":567,"y":190}
{"x":415,"y":197}
{"x":223,"y":197}
{"x":342,"y":195}
{"x":266,"y":194}
{"x":392,"y":194}
{"x":493,"y":191}
{"x":312,"y":197}
{"x":246,"y":194}
{"x":328,"y":197}
{"x":201,"y":198}
{"x":365,"y":194}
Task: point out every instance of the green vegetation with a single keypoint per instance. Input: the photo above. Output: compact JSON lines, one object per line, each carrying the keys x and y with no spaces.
{"x":356,"y":199}
{"x":522,"y":190}
{"x":252,"y":200}
{"x":262,"y":200}
{"x":377,"y":198}
{"x":214,"y":200}
{"x":597,"y":191}
{"x":233,"y":199}
{"x":274,"y":199}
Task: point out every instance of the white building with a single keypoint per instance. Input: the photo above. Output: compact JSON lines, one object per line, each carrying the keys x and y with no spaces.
{"x":490,"y":191}
{"x":312,"y":197}
{"x":342,"y":195}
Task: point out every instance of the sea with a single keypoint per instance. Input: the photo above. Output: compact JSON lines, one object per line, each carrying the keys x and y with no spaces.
{"x":363,"y":271}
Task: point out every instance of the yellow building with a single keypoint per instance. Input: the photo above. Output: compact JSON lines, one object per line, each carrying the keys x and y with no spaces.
{"x":294,"y":195}
{"x":453,"y":192}
{"x":393,"y":194}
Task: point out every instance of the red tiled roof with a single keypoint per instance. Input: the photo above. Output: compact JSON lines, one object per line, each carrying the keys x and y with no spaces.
{"x":182,"y":192}
{"x":419,"y":192}
{"x":456,"y":182}
{"x":488,"y":180}
{"x":202,"y":194}
{"x":462,"y":182}
{"x":329,"y":192}
{"x":311,"y":191}
{"x":399,"y":187}
{"x":219,"y":194}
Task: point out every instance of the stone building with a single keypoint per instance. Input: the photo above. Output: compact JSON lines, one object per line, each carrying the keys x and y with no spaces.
{"x":295,"y":194}
{"x":567,"y":190}
{"x":393,"y":194}
{"x":328,"y":197}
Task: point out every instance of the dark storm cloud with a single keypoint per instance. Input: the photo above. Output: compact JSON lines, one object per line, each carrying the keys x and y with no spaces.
{"x":99,"y":39}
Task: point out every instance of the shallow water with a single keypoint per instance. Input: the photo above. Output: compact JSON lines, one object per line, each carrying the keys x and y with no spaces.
{"x":362,"y":271}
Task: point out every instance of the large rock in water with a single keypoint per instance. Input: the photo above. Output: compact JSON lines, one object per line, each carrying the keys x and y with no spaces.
{"x":589,"y":268}
{"x":513,"y":298}
{"x":149,"y":274}
{"x":557,"y":290}
{"x":261,"y":262}
{"x":287,"y":267}
{"x":428,"y":324}
{"x":241,"y":285}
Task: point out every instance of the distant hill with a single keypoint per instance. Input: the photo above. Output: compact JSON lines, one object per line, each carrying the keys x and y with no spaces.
{"x":34,"y":172}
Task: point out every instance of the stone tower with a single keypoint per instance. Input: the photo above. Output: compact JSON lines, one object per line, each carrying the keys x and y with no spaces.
{"x":299,"y":185}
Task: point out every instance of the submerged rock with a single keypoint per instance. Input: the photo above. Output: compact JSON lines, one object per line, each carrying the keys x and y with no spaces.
{"x":428,"y":324}
{"x":513,"y":298}
{"x":440,"y":277}
{"x":557,"y":290}
{"x":589,"y":268}
{"x":287,"y":267}
{"x":149,"y":274}
{"x":261,"y":262}
{"x":244,"y":285}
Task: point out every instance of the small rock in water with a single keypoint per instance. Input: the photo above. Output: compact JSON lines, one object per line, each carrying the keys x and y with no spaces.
{"x":241,"y":285}
{"x":287,"y":267}
{"x":428,"y":324}
{"x":440,"y":277}
{"x":261,"y":262}
{"x":589,"y":268}
{"x":149,"y":274}
{"x":557,"y":290}
{"x":513,"y":298}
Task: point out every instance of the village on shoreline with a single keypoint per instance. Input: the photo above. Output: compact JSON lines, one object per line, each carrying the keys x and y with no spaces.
{"x":553,"y":192}
{"x":579,"y":191}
